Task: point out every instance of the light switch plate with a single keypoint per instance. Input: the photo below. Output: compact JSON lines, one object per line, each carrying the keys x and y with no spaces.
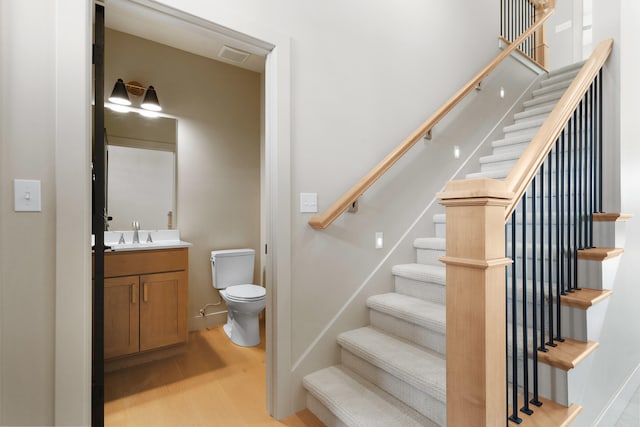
{"x":27,"y":196}
{"x":308,"y":202}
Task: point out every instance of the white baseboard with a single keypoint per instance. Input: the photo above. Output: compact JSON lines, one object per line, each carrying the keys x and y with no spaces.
{"x":619,"y":401}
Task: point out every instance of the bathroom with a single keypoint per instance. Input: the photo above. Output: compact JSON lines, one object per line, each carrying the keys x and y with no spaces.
{"x":217,"y":173}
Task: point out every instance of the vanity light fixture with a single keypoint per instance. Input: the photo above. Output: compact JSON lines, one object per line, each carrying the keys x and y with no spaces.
{"x":120,"y":97}
{"x":150,"y":101}
{"x":119,"y":94}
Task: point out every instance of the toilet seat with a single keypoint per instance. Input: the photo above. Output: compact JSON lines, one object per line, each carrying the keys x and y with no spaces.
{"x":245,"y":292}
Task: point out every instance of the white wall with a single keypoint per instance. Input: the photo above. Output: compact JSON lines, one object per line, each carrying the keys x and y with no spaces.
{"x":619,"y":352}
{"x":218,"y":150}
{"x":563,"y":34}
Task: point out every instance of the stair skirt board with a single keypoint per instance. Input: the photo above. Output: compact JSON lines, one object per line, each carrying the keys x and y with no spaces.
{"x":393,"y":372}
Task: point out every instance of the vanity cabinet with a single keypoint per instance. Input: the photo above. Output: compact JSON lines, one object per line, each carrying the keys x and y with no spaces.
{"x":145,"y":300}
{"x":121,"y":320}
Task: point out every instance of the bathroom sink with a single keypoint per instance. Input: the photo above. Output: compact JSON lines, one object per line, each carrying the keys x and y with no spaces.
{"x":160,"y":239}
{"x":162,"y":244}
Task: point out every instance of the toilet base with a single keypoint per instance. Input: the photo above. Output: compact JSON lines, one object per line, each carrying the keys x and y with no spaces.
{"x":243,"y":330}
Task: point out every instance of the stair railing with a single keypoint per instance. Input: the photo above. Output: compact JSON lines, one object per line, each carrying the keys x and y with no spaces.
{"x":563,"y":163}
{"x":349,"y":199}
{"x":518,"y":15}
{"x":570,"y":177}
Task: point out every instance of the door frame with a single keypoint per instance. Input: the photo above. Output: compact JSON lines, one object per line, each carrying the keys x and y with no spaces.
{"x":74,"y":123}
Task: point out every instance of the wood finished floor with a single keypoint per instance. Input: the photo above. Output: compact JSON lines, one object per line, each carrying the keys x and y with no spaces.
{"x":214,"y":383}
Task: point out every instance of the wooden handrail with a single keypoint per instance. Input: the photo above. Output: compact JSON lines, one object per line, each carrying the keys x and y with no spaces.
{"x":534,"y":155}
{"x":324,"y":220}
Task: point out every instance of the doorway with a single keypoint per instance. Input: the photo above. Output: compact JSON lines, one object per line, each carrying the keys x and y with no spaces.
{"x":275,"y":117}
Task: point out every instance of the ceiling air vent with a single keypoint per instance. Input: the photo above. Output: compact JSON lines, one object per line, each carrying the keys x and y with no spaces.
{"x":234,"y":55}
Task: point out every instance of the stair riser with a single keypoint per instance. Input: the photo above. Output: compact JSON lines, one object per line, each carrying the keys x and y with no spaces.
{"x":424,"y":290}
{"x":533,"y":112}
{"x":524,"y":125}
{"x":552,"y":382}
{"x":426,"y":338}
{"x":429,"y":256}
{"x":319,"y":410}
{"x":584,"y":325}
{"x":422,"y":402}
{"x":541,"y":100}
{"x":609,"y":234}
{"x":556,"y":78}
{"x":440,"y":230}
{"x":552,"y":88}
{"x":598,"y":274}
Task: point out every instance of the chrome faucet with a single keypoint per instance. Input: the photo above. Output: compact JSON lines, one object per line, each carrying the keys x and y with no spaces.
{"x":136,"y":227}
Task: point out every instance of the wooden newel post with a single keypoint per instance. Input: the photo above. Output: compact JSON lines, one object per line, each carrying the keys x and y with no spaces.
{"x":476,"y":320}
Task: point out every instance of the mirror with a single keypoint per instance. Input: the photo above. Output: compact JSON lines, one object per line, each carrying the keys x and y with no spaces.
{"x":141,"y":170}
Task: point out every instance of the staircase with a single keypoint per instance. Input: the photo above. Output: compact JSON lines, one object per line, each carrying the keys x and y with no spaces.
{"x":393,"y":371}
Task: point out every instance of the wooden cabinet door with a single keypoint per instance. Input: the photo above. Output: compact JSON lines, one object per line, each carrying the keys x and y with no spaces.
{"x":163,"y":309}
{"x":121,"y":322}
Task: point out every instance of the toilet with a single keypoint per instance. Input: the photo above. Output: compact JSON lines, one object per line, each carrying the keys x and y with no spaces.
{"x":232,"y":274}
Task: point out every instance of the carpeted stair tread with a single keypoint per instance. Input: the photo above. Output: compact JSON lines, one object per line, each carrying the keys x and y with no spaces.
{"x":502,"y":157}
{"x":561,"y":85}
{"x":421,"y":272}
{"x":414,"y":310}
{"x":358,"y":403}
{"x":544,"y":99}
{"x":420,"y":368}
{"x":531,"y":124}
{"x":436,"y":243}
{"x":538,"y":111}
{"x":495,"y":174}
{"x":513,"y":140}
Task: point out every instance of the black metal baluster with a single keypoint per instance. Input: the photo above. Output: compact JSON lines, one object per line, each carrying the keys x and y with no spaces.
{"x":514,"y":322}
{"x":525,"y":333}
{"x":560,"y":243}
{"x":550,"y":343}
{"x":587,"y":173}
{"x":559,"y":157}
{"x":574,"y":248}
{"x":542,"y":230}
{"x":600,"y":152}
{"x":579,"y":179}
{"x":534,"y":284}
{"x":592,"y":175}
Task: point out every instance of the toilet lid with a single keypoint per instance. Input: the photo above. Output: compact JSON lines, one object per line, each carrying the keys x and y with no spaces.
{"x":246,"y":292}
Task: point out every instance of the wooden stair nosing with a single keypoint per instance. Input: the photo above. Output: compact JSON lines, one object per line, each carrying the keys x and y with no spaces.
{"x":611,"y":217}
{"x":568,"y":354}
{"x":599,"y":254}
{"x":584,"y":298}
{"x":549,"y":414}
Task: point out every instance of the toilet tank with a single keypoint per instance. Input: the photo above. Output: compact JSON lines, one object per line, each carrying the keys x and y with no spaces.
{"x":232,"y":267}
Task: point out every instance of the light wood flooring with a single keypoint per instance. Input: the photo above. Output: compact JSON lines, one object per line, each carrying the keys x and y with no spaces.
{"x":214,"y":383}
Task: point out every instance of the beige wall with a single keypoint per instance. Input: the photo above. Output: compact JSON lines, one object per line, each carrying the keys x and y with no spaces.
{"x":27,"y":240}
{"x":218,"y":111}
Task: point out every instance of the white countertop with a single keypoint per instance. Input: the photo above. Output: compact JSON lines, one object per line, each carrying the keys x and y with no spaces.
{"x":161,"y":239}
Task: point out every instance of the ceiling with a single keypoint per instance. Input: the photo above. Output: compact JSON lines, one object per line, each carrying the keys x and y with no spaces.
{"x":184,"y":32}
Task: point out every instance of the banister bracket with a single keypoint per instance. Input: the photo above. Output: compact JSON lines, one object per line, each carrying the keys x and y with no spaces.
{"x":428,"y":135}
{"x":353,"y":207}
